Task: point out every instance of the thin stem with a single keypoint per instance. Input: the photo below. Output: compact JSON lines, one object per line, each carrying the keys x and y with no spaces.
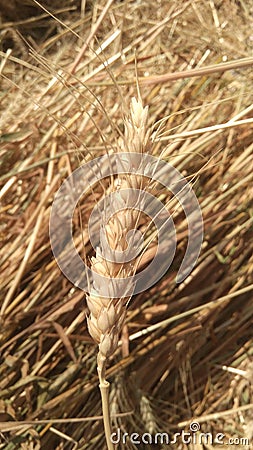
{"x":104,"y":386}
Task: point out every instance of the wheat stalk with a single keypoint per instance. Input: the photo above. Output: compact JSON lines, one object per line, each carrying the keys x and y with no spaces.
{"x":107,"y":313}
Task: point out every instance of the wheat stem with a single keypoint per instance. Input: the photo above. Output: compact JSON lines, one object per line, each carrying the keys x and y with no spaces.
{"x":104,"y":387}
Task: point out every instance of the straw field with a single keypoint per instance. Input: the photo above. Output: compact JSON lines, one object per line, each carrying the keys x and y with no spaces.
{"x":185,"y":358}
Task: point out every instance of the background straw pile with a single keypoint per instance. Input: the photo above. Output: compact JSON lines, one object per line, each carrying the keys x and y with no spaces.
{"x":186,"y":349}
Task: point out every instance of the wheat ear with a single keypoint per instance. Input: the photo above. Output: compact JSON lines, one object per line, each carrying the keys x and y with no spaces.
{"x":107,"y":314}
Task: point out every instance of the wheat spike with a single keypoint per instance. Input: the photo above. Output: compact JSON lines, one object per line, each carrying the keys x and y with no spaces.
{"x":107,"y":313}
{"x":147,"y":415}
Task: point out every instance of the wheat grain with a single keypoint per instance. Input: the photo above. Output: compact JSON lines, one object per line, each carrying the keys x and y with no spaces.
{"x":107,"y":313}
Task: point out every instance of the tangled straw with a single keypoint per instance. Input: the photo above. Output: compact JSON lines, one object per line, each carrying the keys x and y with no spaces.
{"x":107,"y":313}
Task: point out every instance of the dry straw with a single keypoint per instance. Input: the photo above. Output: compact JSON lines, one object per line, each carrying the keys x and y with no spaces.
{"x":191,"y":344}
